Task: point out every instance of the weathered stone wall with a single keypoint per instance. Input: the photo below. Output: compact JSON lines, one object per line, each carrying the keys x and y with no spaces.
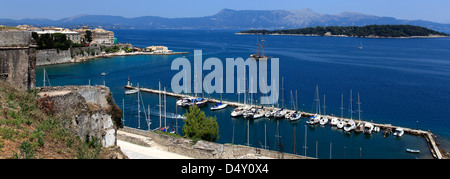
{"x":210,"y":150}
{"x":17,"y":59}
{"x":52,"y":56}
{"x":85,"y":110}
{"x":18,"y":67}
{"x":15,"y":38}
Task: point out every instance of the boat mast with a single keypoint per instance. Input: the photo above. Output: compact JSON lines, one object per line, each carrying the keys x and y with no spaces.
{"x":44,"y":77}
{"x":296,"y":100}
{"x":263,"y":48}
{"x":342,"y":106}
{"x":139,"y":107}
{"x":317,"y":99}
{"x":165,"y":110}
{"x":359,"y":108}
{"x":160,"y":117}
{"x":351,"y":105}
{"x":324,"y":106}
{"x":257,"y":45}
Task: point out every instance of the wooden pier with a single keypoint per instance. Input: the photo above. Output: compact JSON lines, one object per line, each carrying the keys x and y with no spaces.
{"x":429,"y":137}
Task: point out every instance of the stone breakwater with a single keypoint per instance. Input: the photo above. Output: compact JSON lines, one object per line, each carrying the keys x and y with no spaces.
{"x":86,"y":111}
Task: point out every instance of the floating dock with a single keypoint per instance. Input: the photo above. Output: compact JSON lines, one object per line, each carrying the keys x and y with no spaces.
{"x":429,"y":137}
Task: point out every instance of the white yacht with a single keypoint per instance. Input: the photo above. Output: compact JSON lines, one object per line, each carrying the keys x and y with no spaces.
{"x":334,"y":121}
{"x":399,"y":132}
{"x":350,"y":125}
{"x":323,"y":121}
{"x":219,"y":106}
{"x":368,"y":128}
{"x":295,"y":116}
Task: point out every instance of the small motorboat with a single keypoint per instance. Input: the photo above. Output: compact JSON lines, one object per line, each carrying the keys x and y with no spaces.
{"x":368,"y":128}
{"x":349,"y":126}
{"x":295,"y":116}
{"x":200,"y":102}
{"x":103,"y":74}
{"x":387,"y":132}
{"x":237,"y":112}
{"x":259,"y":114}
{"x":280,"y":113}
{"x":359,"y":127}
{"x":399,"y":132}
{"x":269,"y":113}
{"x":340,"y":124}
{"x":185,"y":102}
{"x":133,"y":91}
{"x":219,"y":106}
{"x":323,"y":121}
{"x":376,"y":129}
{"x":334,"y":121}
{"x":413,"y":151}
{"x":313,"y":120}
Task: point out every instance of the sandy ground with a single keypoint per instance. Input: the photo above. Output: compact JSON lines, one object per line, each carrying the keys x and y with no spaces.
{"x":134,"y":151}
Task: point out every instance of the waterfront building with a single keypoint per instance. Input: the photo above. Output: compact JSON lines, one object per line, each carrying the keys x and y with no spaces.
{"x":99,"y":36}
{"x":158,"y":49}
{"x":75,"y":37}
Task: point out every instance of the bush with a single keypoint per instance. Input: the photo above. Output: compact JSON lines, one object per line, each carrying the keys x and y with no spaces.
{"x":198,"y":126}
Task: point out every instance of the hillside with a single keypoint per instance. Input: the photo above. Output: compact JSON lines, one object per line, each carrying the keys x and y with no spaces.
{"x":30,"y":129}
{"x":230,"y":19}
{"x":379,"y":31}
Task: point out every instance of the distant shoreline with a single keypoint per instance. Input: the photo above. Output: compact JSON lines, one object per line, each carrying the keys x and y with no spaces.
{"x":375,"y":37}
{"x":369,"y":31}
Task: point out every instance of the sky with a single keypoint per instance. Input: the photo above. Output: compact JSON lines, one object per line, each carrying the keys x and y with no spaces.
{"x":431,"y":10}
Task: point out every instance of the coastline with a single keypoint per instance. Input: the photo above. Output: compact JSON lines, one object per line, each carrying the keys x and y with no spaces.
{"x":375,"y":37}
{"x":109,"y":55}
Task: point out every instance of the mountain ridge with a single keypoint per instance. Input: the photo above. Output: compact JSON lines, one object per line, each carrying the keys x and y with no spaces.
{"x":230,"y":19}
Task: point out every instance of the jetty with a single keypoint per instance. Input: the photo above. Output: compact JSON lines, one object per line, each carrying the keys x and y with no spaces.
{"x":429,"y":137}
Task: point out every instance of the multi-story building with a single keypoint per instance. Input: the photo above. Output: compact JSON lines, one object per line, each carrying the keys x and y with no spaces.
{"x":101,"y":36}
{"x":75,"y":37}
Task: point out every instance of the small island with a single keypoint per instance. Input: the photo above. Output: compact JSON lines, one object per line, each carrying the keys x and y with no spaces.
{"x":370,"y":31}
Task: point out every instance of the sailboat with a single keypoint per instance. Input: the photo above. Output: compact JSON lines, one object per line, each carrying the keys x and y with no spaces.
{"x":258,"y":56}
{"x":324,"y":120}
{"x":350,"y":125}
{"x":316,"y":118}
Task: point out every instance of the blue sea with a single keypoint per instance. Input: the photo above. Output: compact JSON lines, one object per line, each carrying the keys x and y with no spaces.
{"x":403,"y":82}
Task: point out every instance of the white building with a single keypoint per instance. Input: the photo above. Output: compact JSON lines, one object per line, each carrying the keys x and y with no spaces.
{"x":75,"y":37}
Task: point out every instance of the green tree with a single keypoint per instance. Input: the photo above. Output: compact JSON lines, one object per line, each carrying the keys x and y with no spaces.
{"x":88,"y":36}
{"x":198,"y":126}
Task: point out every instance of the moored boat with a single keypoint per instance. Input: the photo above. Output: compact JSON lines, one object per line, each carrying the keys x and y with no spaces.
{"x":399,"y":132}
{"x":340,"y":124}
{"x":219,"y":106}
{"x":295,"y":116}
{"x":413,"y":151}
{"x":334,"y":121}
{"x":133,"y":91}
{"x":368,"y":128}
{"x":237,"y":112}
{"x":350,"y":125}
{"x":323,"y":121}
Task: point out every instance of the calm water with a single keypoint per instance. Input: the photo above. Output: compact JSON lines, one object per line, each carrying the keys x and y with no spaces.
{"x":400,"y":81}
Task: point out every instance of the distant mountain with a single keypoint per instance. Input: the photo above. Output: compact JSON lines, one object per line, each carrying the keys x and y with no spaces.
{"x":231,"y":19}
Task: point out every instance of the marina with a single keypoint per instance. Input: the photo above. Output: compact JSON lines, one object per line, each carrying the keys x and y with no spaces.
{"x":390,"y":94}
{"x":385,"y":127}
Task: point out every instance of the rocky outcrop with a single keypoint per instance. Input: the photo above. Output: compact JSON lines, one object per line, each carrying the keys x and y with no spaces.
{"x":88,"y":111}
